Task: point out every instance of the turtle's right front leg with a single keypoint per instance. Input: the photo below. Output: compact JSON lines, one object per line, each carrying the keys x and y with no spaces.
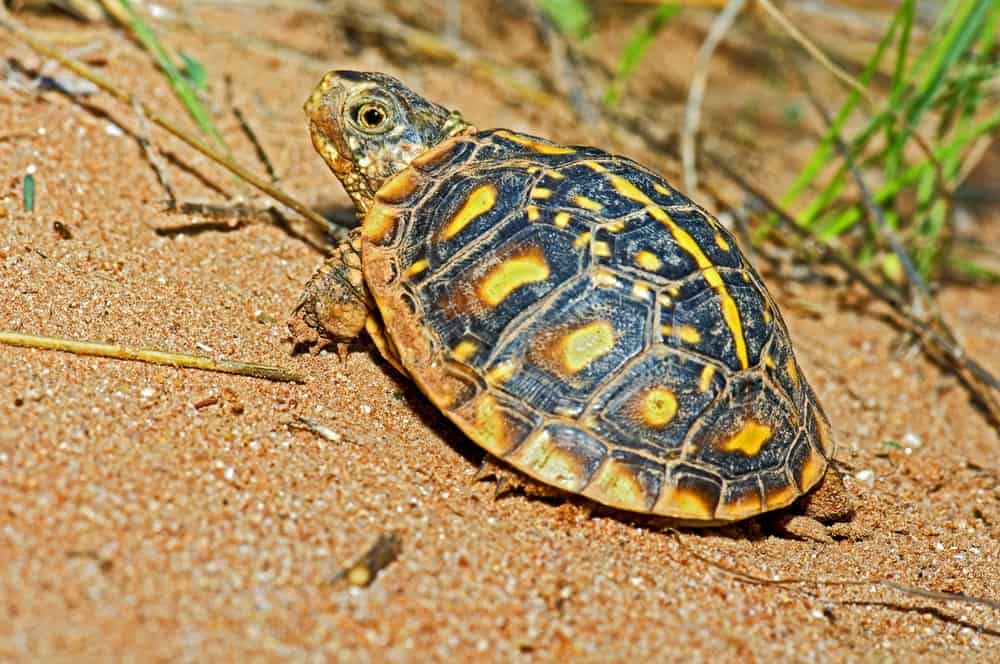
{"x":336,"y":305}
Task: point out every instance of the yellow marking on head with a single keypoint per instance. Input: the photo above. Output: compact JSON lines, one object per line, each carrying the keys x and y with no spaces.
{"x":605,"y":278}
{"x":586,"y":203}
{"x":379,"y":222}
{"x":465,"y":349}
{"x":769,"y":362}
{"x":581,"y":240}
{"x":417,"y":267}
{"x":532,"y":212}
{"x":480,"y":200}
{"x":730,"y":312}
{"x":489,"y":428}
{"x":587,"y":344}
{"x":516,"y":271}
{"x":539,"y":457}
{"x":777,"y":498}
{"x":647,"y":260}
{"x":533,"y":145}
{"x":660,"y":189}
{"x":501,"y":373}
{"x":721,"y":242}
{"x":684,"y":503}
{"x":659,"y":406}
{"x":602,"y":249}
{"x":812,"y":469}
{"x":705,"y":380}
{"x":745,"y":506}
{"x":594,"y":166}
{"x":562,"y":219}
{"x":641,"y":290}
{"x":616,"y":484}
{"x":793,"y":371}
{"x":748,"y":440}
{"x":686,"y":333}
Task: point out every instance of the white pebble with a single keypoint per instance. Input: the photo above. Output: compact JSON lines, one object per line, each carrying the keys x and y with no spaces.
{"x":866,"y":477}
{"x":912,"y":440}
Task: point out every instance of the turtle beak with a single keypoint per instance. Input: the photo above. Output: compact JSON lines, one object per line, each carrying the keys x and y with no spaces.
{"x":323,"y":109}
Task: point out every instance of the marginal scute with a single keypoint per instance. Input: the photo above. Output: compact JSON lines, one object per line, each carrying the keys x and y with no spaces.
{"x":618,"y":485}
{"x":740,"y":499}
{"x":379,"y":224}
{"x":689,"y":497}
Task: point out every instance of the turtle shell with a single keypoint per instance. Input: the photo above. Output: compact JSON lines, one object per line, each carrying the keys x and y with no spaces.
{"x":580,"y":319}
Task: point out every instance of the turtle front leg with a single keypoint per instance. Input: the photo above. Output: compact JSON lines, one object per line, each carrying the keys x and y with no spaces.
{"x":336,"y":305}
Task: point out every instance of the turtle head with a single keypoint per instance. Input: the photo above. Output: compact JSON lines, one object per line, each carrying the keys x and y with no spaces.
{"x":368,"y":126}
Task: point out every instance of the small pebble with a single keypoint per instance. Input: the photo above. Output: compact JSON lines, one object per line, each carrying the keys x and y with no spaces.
{"x":866,"y":477}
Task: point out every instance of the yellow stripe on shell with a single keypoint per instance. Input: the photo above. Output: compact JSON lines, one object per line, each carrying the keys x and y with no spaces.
{"x":721,"y":242}
{"x":586,"y":203}
{"x":514,"y":272}
{"x":534,"y":146}
{"x":705,"y":380}
{"x":417,"y":267}
{"x":686,"y":333}
{"x":540,"y":193}
{"x":501,"y":373}
{"x":602,"y":249}
{"x":480,"y":200}
{"x":730,"y":313}
{"x":594,"y":166}
{"x":532,"y":212}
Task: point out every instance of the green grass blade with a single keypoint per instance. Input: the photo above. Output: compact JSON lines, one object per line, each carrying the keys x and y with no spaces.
{"x":636,"y":46}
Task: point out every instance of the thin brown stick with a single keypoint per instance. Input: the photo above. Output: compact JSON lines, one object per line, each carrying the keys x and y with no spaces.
{"x":699,"y":81}
{"x":151,"y":356}
{"x":86,"y":72}
{"x":913,"y":591}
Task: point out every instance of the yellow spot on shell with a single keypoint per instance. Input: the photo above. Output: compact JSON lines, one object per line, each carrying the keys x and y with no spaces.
{"x":585,"y":345}
{"x":616,"y":484}
{"x":660,"y":189}
{"x":540,"y":193}
{"x":812,"y":470}
{"x":776,"y":498}
{"x":539,"y":457}
{"x":721,"y":242}
{"x":769,"y":362}
{"x":686,"y":333}
{"x":594,"y":166}
{"x":562,"y":219}
{"x":555,"y":175}
{"x":605,"y":279}
{"x":586,"y":203}
{"x":581,"y":240}
{"x":647,"y":260}
{"x":533,"y":145}
{"x":615,"y":226}
{"x":740,"y":507}
{"x":705,"y":380}
{"x":465,"y":349}
{"x":379,"y":222}
{"x":501,"y":372}
{"x":793,"y":371}
{"x":749,"y":439}
{"x":417,"y":267}
{"x":684,"y":503}
{"x":659,"y":406}
{"x":511,"y":274}
{"x":480,"y":200}
{"x":532,"y":212}
{"x":602,"y":249}
{"x":489,"y":429}
{"x":641,"y":290}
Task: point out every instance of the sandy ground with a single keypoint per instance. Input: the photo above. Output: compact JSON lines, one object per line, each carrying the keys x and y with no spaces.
{"x":149,"y":513}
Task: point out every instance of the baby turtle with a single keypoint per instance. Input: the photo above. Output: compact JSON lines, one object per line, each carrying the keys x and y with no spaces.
{"x":568,"y":309}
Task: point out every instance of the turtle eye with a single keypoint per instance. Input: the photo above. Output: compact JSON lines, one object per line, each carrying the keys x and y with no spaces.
{"x":371,"y":117}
